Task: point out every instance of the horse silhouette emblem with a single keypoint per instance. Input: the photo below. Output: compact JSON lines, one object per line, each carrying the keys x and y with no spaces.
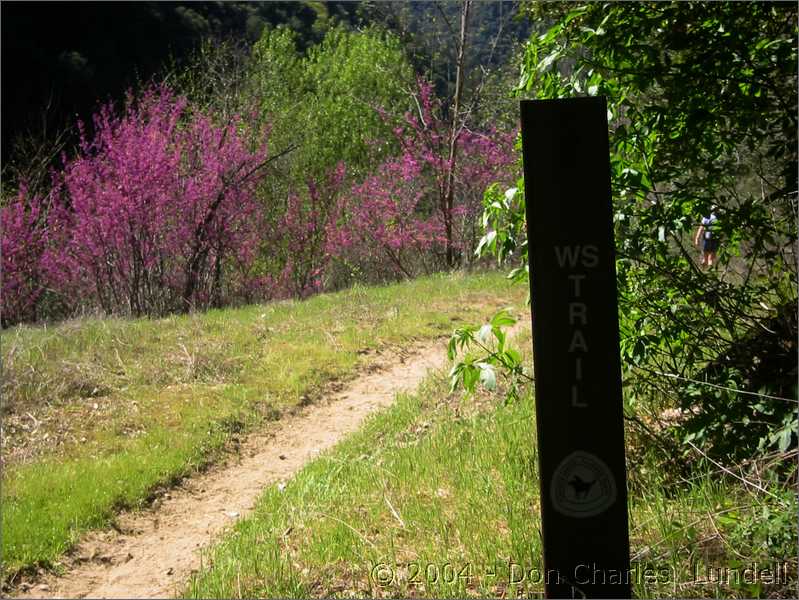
{"x":582,"y":486}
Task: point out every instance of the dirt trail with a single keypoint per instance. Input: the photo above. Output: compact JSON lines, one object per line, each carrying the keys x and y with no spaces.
{"x":154,"y":552}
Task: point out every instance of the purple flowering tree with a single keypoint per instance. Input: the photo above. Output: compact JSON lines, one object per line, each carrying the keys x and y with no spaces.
{"x":156,"y":213}
{"x":424,"y":203}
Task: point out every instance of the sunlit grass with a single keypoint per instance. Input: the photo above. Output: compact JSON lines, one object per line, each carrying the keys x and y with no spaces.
{"x":438,"y":497}
{"x":138,"y":404}
{"x":416,"y":503}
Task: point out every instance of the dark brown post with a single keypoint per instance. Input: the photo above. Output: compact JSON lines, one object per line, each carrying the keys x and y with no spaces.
{"x":576,"y":348}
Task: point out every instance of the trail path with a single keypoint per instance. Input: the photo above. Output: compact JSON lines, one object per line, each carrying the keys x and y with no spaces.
{"x":153,"y":552}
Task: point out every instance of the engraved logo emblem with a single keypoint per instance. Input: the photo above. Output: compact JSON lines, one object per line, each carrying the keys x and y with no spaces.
{"x":582,"y":486}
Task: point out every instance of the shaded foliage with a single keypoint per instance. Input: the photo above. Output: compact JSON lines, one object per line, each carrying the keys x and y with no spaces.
{"x":702,"y":111}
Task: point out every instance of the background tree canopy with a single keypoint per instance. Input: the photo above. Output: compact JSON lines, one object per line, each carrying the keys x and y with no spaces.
{"x":328,"y":92}
{"x":69,"y":56}
{"x":60,"y":59}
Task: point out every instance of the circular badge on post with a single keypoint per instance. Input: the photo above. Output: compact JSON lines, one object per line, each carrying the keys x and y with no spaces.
{"x":582,"y":486}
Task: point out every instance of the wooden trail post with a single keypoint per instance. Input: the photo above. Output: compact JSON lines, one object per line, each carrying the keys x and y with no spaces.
{"x":576,"y":348}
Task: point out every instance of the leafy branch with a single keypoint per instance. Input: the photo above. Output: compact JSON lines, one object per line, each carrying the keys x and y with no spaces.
{"x":493,"y":354}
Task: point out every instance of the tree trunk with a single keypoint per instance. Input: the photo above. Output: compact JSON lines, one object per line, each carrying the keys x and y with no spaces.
{"x":455,"y":129}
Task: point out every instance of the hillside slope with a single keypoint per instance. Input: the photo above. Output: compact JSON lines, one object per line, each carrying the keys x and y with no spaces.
{"x":99,"y":414}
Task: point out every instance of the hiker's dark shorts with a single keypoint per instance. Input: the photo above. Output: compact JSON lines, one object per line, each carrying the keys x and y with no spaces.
{"x":710,"y":245}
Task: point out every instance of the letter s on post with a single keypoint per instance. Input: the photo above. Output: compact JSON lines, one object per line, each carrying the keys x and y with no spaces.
{"x":590,"y":256}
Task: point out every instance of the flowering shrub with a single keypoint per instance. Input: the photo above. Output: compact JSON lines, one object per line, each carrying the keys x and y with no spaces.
{"x":405,"y":214}
{"x":306,"y":232}
{"x":158,"y":212}
{"x":157,"y":205}
{"x":22,"y":245}
{"x":149,"y":217}
{"x":385,"y":220}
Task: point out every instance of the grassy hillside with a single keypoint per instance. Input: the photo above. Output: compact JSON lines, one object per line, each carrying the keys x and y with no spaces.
{"x":438,"y":497}
{"x":97,"y":413}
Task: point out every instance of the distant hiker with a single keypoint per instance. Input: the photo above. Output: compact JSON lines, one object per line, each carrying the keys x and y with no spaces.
{"x":708,"y":238}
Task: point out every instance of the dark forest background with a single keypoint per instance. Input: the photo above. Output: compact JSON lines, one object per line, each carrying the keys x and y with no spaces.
{"x":60,"y":60}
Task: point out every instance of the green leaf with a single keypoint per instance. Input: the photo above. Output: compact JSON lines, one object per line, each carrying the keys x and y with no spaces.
{"x":500,"y":335}
{"x":470,"y":376}
{"x":548,"y":60}
{"x":514,"y":356}
{"x":510,"y":194}
{"x":501,"y":318}
{"x":785,"y":436}
{"x":452,"y":348}
{"x":455,"y":376}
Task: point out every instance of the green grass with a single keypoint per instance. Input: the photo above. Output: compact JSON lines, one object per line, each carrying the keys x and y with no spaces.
{"x":438,"y":497}
{"x":138,"y":404}
{"x":417,"y":485}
